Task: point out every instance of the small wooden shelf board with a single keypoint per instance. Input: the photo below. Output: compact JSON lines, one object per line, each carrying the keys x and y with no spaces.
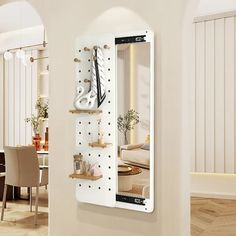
{"x":79,"y":111}
{"x":44,"y":73}
{"x":43,"y":96}
{"x":88,"y":177}
{"x":94,"y":145}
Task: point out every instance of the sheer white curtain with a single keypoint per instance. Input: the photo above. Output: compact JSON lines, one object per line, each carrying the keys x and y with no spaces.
{"x":20,"y":95}
{"x":1,"y":102}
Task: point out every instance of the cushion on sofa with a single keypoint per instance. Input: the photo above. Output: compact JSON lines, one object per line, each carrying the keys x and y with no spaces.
{"x":139,"y":156}
{"x":146,"y":146}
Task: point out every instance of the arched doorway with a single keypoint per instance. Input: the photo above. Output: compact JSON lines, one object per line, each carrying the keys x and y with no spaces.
{"x":209,"y":50}
{"x":24,"y":92}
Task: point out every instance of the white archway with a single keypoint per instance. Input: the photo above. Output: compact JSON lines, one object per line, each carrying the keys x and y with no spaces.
{"x":13,"y":35}
{"x":195,"y":8}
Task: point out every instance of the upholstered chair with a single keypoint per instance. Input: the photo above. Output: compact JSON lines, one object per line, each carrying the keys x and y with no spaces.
{"x":22,"y":170}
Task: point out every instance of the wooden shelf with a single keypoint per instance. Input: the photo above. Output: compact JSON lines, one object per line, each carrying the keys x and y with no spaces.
{"x":94,"y":145}
{"x":80,"y":111}
{"x":43,"y":96}
{"x":44,"y":73}
{"x":88,"y":177}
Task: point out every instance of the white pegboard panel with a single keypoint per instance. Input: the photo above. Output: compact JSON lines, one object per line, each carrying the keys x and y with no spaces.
{"x":102,"y":191}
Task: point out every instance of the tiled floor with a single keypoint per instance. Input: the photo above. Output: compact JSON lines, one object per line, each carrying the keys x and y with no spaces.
{"x":19,"y":221}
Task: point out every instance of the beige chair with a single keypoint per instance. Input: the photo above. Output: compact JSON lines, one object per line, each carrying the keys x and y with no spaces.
{"x":22,"y":170}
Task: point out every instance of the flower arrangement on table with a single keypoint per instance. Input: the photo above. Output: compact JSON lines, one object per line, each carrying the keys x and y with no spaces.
{"x":36,"y":120}
{"x":42,"y":108}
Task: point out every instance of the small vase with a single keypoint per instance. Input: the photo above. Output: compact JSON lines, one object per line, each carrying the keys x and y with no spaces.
{"x":36,"y":142}
{"x":45,"y":146}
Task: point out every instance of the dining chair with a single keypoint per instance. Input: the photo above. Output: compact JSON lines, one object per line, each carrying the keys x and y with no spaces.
{"x":22,"y":170}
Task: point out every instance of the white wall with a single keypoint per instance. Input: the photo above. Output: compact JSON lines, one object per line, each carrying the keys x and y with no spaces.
{"x":23,"y":37}
{"x":67,"y":217}
{"x":18,"y":15}
{"x":207,"y":7}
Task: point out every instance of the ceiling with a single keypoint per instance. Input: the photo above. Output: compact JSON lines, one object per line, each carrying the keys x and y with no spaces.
{"x":18,"y":15}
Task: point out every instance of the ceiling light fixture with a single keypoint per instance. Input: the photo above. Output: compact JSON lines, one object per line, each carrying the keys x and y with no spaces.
{"x":20,"y":54}
{"x":36,"y":59}
{"x":8,"y":55}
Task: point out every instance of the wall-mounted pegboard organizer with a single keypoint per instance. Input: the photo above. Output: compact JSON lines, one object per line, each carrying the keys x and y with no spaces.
{"x":96,"y":190}
{"x":103,"y":189}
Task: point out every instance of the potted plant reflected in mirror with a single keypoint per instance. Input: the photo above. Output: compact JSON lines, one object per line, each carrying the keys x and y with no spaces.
{"x":127,"y":122}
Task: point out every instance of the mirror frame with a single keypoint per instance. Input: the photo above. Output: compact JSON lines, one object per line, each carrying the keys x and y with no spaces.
{"x":137,"y":37}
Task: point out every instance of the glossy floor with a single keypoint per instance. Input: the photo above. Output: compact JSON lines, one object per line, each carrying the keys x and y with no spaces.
{"x":19,"y":221}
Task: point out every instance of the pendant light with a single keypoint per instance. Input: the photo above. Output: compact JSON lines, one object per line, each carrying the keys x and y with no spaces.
{"x":8,"y":55}
{"x":26,"y":60}
{"x":20,"y":54}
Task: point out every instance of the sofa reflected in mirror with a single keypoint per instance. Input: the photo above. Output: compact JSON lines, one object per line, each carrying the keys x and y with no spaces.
{"x":135,"y":183}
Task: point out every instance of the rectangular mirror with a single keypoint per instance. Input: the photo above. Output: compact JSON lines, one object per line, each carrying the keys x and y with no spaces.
{"x":135,"y":121}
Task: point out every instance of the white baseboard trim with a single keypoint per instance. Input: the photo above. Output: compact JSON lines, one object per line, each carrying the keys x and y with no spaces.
{"x":222,"y":186}
{"x":214,"y":195}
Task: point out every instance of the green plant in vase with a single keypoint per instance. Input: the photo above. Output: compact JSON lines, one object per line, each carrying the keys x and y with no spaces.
{"x":35,"y":122}
{"x":127,"y":122}
{"x":42,"y":108}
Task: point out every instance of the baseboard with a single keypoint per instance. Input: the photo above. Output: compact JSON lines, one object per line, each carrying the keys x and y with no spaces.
{"x":215,"y":195}
{"x":222,"y":186}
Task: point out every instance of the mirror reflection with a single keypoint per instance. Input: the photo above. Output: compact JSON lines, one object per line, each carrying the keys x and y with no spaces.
{"x":133,"y":121}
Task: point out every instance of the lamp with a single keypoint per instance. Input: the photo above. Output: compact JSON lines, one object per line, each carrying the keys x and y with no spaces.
{"x":8,"y":56}
{"x":20,"y":54}
{"x":26,"y":60}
